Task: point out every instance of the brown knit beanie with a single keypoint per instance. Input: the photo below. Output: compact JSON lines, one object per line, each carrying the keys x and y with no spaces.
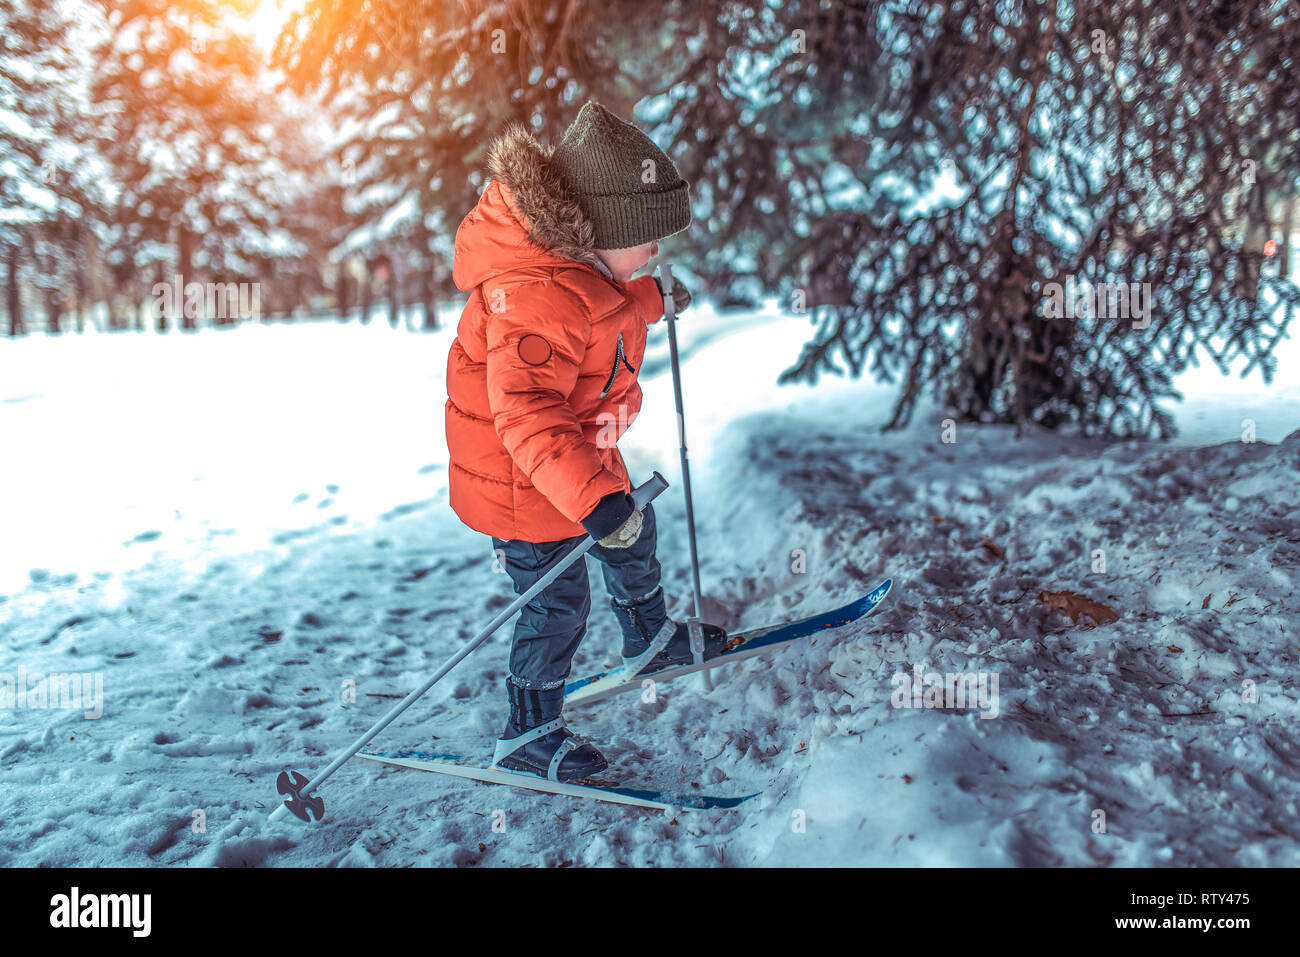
{"x":627,"y":186}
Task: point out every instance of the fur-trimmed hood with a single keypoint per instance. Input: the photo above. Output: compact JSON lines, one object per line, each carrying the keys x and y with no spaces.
{"x":527,"y":215}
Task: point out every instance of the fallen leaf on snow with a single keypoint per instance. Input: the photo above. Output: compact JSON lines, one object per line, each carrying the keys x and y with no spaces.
{"x":1072,"y":605}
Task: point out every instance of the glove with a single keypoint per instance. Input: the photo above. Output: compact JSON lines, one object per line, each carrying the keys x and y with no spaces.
{"x":626,"y":534}
{"x":681,"y":297}
{"x":615,"y":522}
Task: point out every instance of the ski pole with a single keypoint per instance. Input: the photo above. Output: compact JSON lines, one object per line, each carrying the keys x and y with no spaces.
{"x":296,"y":785}
{"x":693,"y":625}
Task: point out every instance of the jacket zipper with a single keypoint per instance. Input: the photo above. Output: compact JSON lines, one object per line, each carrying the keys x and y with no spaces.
{"x":618,"y":357}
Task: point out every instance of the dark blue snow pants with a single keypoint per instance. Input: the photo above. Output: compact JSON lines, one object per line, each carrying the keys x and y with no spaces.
{"x":551,"y":626}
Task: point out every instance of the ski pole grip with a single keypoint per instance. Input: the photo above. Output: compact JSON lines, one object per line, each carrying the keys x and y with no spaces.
{"x":666,"y":279}
{"x":648,"y":490}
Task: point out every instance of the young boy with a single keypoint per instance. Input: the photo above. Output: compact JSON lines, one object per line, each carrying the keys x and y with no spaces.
{"x":541,"y":384}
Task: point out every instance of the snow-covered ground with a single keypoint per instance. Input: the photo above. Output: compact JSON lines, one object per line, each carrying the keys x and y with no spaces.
{"x":232,"y":529}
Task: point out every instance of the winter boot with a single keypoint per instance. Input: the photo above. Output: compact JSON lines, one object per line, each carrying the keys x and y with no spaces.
{"x":537,"y":741}
{"x":652,"y":641}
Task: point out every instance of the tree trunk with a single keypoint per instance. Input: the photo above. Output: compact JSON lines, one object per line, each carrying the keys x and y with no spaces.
{"x":79,"y":290}
{"x":166,"y":298}
{"x":394,"y":293}
{"x":184,"y":264}
{"x":428,"y":297}
{"x":269,"y":299}
{"x":139,"y":323}
{"x":365,"y":296}
{"x":429,"y":276}
{"x":1288,"y":224}
{"x":342,"y":291}
{"x":94,"y":287}
{"x":121,"y":312}
{"x":14,"y":299}
{"x":54,"y":311}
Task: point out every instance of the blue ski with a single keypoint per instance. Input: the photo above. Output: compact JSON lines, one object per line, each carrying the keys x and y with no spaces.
{"x":458,"y":766}
{"x":743,"y":645}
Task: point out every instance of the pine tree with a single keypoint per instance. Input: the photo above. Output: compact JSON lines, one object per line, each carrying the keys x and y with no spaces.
{"x":1114,"y":146}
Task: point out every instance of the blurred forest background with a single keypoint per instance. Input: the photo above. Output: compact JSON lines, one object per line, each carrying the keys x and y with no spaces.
{"x":908,"y":176}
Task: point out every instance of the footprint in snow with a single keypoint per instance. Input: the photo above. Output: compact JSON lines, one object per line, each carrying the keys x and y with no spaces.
{"x":406,"y":508}
{"x":251,"y":853}
{"x":285,"y":537}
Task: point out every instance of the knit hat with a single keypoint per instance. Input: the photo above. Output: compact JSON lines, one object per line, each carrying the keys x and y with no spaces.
{"x":627,"y":186}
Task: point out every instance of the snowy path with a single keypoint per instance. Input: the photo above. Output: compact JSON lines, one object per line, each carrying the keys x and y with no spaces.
{"x":236,"y":528}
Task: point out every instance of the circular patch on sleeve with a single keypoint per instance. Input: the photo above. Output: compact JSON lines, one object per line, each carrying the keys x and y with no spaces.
{"x":534,"y":350}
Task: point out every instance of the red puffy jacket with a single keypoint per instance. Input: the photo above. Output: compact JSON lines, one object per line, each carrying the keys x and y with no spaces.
{"x":542,"y":375}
